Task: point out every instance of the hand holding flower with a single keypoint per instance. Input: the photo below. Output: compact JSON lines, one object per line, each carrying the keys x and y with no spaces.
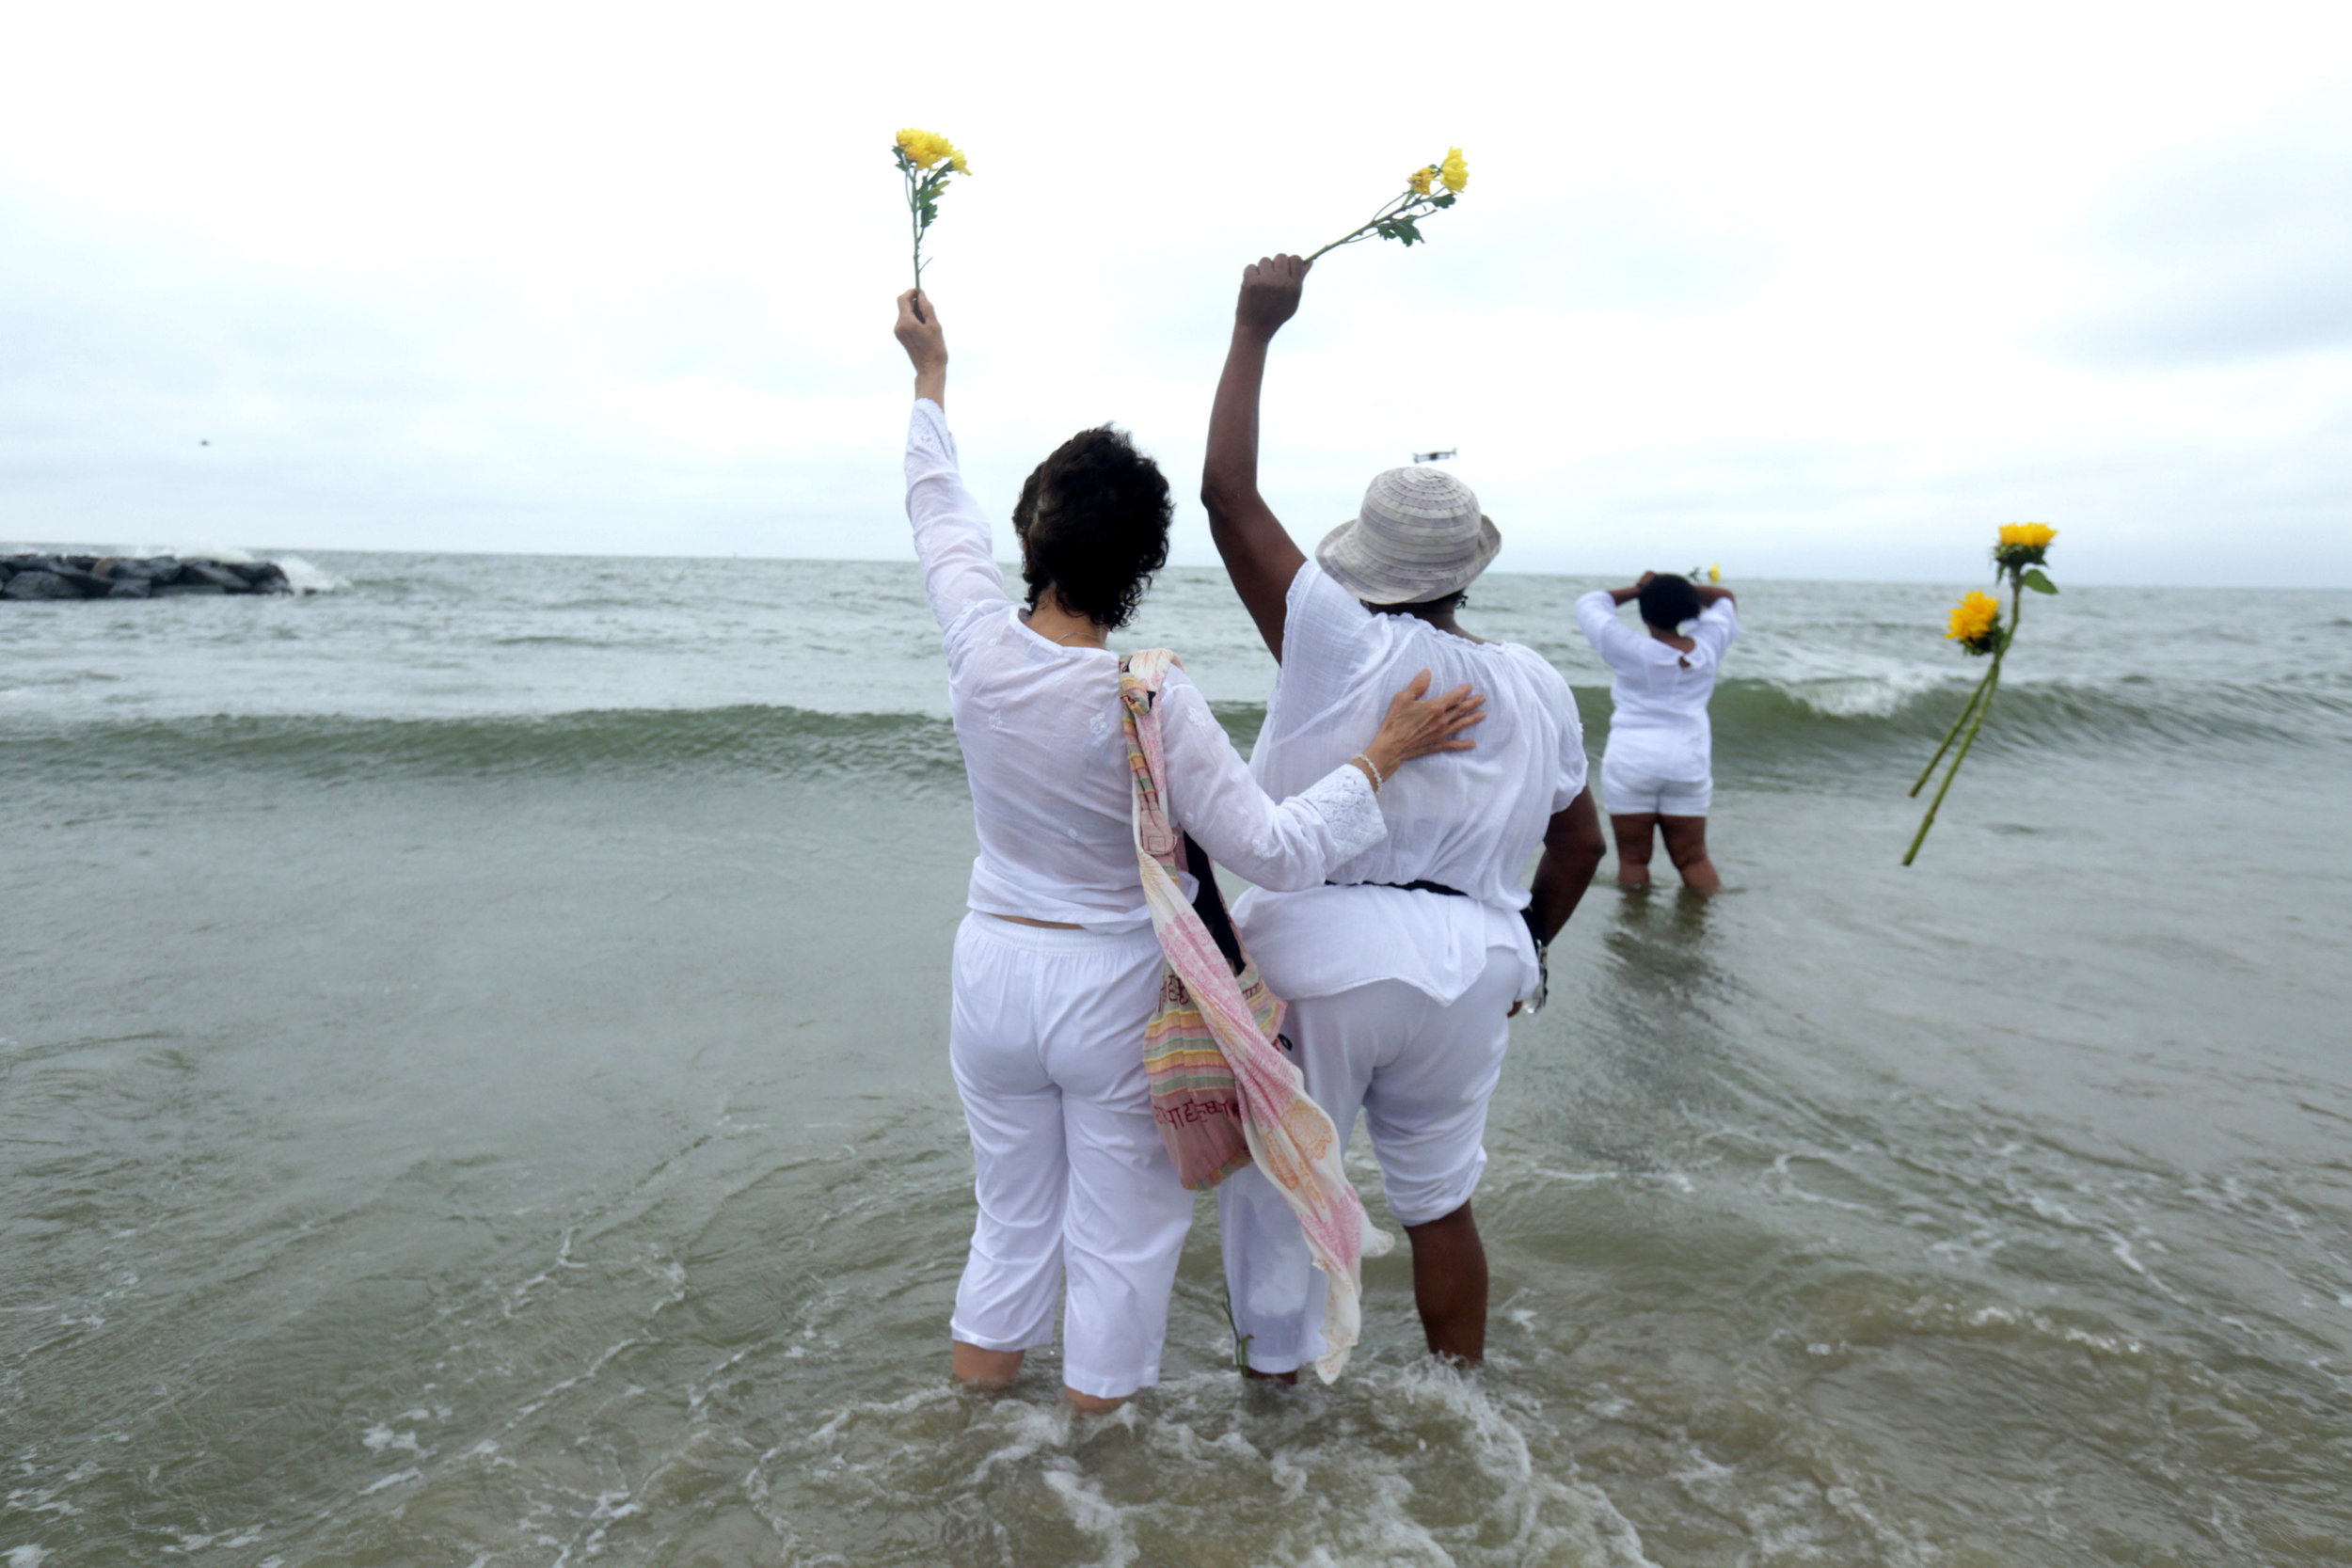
{"x":1270,"y":293}
{"x":919,"y":333}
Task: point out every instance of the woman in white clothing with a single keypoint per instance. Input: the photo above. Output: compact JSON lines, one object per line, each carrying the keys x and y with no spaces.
{"x":1400,"y":976}
{"x":1058,"y":968}
{"x":1657,"y":773}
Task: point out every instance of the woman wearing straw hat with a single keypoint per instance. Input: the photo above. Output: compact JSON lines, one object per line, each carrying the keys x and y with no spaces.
{"x":1402,"y":969}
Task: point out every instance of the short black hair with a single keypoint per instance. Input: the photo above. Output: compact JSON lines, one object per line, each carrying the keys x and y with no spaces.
{"x":1093,"y":524}
{"x":1454,"y":600}
{"x":1668,"y":600}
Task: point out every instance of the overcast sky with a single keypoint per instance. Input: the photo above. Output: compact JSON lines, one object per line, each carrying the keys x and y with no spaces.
{"x":1810,"y":291}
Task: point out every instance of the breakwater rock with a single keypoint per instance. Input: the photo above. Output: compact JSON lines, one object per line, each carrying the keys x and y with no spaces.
{"x":129,"y":576}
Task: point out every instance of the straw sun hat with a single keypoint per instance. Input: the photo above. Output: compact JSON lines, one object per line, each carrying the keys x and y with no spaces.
{"x":1418,"y":536}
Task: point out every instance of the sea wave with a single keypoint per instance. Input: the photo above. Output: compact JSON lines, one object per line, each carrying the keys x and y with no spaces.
{"x":2125,"y":716}
{"x":781,"y":741}
{"x":1756,"y":721}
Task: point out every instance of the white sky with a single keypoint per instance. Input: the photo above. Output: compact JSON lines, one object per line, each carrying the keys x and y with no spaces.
{"x":1812,"y":291}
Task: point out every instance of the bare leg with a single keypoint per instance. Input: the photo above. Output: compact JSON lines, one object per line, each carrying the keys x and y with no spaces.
{"x":1450,"y":1286}
{"x":1633,"y":846}
{"x":1686,"y":845}
{"x":986,"y":1369}
{"x":1091,"y":1405}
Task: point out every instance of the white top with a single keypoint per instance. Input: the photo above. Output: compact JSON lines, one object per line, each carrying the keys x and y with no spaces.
{"x":1471,"y":820}
{"x":1046,"y":755}
{"x":1661,"y":692}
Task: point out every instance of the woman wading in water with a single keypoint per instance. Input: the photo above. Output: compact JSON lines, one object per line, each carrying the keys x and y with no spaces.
{"x":1057,"y":967}
{"x":1657,"y":773}
{"x":1401,"y":975}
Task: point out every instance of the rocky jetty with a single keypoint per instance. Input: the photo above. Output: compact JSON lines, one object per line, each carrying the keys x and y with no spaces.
{"x":129,"y":576}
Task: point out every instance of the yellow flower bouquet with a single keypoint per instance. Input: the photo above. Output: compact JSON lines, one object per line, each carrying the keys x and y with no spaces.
{"x":1427,"y":190}
{"x":1976,"y":623}
{"x":926,"y":161}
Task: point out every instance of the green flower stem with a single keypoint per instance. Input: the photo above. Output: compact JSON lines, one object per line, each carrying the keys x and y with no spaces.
{"x":1395,"y":206}
{"x":1389,"y":209}
{"x":1953,"y":734}
{"x":1991,"y":684}
{"x":915,"y":221}
{"x":917,"y":189}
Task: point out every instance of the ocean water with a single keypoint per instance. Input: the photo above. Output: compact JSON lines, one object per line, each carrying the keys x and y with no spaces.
{"x":472,"y":1091}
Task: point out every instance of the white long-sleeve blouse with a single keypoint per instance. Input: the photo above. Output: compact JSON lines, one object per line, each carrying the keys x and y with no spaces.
{"x":1660,"y":693}
{"x":1469,"y":820}
{"x":1047,"y":756}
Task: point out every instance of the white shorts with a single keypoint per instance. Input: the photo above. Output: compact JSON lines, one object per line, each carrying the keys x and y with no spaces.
{"x":1046,"y":1041}
{"x":1422,"y":1072}
{"x":1629,"y":791}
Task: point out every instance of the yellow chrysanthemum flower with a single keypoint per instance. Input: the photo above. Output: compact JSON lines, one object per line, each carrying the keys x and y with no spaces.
{"x":1419,"y":179}
{"x":1714,"y":573}
{"x":927,"y":150}
{"x":2031,"y":535}
{"x":1974,"y":618}
{"x":1453,"y":171}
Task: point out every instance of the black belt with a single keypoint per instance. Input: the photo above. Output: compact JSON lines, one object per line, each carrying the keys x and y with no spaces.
{"x":1424,"y":885}
{"x":1420,"y":886}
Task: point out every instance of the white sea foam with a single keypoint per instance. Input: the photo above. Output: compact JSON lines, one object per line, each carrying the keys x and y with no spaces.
{"x":397,"y":1477}
{"x":304,"y":578}
{"x":1410,"y":1464}
{"x":195,"y":550}
{"x":1876,"y":695}
{"x":1094,"y":1513}
{"x":301,"y":576}
{"x":380,"y":1437}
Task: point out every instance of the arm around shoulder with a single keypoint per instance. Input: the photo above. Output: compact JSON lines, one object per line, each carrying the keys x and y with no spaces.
{"x":1213,"y":796}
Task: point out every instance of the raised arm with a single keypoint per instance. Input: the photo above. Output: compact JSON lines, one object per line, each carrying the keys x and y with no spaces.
{"x":1718,"y":625}
{"x":1259,"y":553}
{"x":1713,"y":593}
{"x":1596,"y":615}
{"x":951,"y":532}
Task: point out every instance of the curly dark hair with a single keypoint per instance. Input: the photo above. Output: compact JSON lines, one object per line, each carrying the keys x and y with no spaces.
{"x":1094,"y":525}
{"x":1668,"y":600}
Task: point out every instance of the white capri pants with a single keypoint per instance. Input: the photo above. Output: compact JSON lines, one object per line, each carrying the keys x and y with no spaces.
{"x":1422,"y":1072}
{"x":1046,"y":1041}
{"x":1629,"y":791}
